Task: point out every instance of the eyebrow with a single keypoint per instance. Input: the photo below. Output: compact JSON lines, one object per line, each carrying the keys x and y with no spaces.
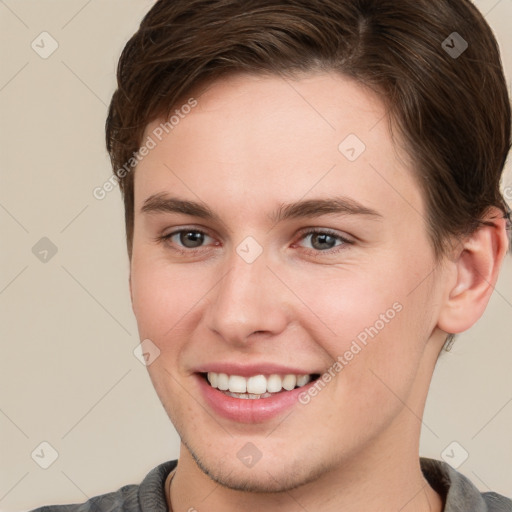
{"x":162,"y":203}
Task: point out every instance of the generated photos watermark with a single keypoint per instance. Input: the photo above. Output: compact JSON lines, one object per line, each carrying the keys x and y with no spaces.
{"x":150,"y":143}
{"x":357,"y":345}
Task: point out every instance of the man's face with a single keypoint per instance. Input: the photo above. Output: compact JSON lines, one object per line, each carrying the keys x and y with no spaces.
{"x":257,"y":295}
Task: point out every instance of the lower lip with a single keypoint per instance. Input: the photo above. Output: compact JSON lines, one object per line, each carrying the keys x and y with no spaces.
{"x":247,"y":410}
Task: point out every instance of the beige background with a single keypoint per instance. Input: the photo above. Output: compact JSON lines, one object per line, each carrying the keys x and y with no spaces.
{"x":69,"y":376}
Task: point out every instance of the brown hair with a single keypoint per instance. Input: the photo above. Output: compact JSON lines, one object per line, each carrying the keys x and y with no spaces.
{"x":452,"y":109}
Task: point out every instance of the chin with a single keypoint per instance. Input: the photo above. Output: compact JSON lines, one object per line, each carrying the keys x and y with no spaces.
{"x":264,"y":477}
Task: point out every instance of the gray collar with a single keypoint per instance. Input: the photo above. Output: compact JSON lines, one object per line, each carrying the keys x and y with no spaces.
{"x":456,"y":490}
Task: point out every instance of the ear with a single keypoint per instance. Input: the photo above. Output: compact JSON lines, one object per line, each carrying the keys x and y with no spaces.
{"x":473,"y":273}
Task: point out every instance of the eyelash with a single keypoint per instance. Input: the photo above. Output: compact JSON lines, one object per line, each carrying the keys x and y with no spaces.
{"x":313,"y":252}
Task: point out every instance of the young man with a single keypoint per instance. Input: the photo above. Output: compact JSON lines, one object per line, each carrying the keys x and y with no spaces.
{"x":312,"y":210}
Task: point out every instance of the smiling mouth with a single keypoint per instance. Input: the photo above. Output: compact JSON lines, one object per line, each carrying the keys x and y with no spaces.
{"x":256,"y":386}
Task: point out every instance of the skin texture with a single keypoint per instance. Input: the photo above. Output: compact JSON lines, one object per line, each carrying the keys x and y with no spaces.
{"x":251,"y":144}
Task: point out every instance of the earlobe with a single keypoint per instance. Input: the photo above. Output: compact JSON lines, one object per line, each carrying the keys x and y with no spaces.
{"x":475,"y":272}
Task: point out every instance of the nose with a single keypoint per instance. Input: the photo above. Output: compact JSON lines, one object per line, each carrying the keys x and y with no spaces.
{"x":248,"y":302}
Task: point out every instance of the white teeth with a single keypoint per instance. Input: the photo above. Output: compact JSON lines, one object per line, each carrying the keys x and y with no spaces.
{"x":302,"y":380}
{"x":248,"y":396}
{"x":214,"y":379}
{"x":289,"y":382}
{"x":274,"y":384}
{"x":257,"y":386}
{"x":237,"y":384}
{"x":222,"y":381}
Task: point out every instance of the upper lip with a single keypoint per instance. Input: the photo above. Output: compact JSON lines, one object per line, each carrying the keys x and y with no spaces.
{"x":248,"y":370}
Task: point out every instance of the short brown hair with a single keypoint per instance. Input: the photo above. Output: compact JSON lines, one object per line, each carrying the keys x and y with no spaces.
{"x":452,"y":110}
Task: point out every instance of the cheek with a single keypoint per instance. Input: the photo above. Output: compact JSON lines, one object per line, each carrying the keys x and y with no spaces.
{"x":371,"y":324}
{"x":164,"y":296}
{"x":346,"y":302}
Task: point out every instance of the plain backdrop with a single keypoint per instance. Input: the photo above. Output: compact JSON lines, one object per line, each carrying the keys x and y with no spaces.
{"x":69,"y":377}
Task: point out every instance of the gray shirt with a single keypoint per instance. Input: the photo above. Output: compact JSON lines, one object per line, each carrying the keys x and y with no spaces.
{"x":458,"y":493}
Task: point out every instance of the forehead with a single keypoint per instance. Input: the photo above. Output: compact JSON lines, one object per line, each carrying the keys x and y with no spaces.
{"x":266,"y":139}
